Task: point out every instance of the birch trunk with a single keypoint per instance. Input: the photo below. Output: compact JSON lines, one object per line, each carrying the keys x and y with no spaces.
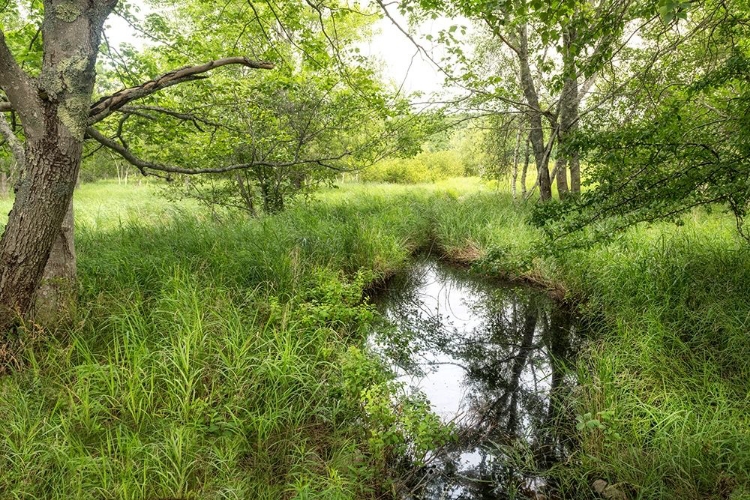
{"x":524,"y":172}
{"x":514,"y":179}
{"x":568,"y":120}
{"x":534,"y":115}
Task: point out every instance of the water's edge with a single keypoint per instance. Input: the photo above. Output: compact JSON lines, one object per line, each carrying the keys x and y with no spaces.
{"x":490,"y":356}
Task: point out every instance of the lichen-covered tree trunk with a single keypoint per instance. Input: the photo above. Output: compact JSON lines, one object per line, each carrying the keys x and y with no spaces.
{"x":4,"y":185}
{"x":54,"y":111}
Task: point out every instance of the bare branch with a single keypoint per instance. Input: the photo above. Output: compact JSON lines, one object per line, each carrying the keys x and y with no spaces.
{"x":188,"y":117}
{"x":108,"y":105}
{"x":144,"y":165}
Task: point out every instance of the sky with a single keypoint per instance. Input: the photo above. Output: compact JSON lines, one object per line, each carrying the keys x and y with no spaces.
{"x":400,"y":58}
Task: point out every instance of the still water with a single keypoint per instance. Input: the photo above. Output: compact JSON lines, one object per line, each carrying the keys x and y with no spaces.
{"x":490,"y":357}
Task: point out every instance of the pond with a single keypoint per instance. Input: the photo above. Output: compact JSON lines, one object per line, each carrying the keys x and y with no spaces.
{"x":490,"y":357}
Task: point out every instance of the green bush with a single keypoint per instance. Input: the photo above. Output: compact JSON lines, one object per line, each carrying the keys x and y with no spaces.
{"x":425,"y":167}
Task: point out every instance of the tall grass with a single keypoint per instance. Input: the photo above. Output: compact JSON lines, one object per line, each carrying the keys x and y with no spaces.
{"x":207,"y":357}
{"x":666,"y":373}
{"x":214,"y":356}
{"x":670,"y":377}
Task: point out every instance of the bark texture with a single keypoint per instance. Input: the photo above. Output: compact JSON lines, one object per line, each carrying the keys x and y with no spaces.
{"x":526,"y":159}
{"x":54,"y":300}
{"x":569,"y":111}
{"x":514,"y":179}
{"x":54,"y":110}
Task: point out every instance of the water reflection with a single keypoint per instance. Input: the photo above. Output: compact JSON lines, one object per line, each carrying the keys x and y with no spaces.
{"x":488,"y":357}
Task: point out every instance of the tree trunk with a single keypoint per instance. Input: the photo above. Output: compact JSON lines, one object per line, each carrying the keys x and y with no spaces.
{"x":55,"y":298}
{"x":534,"y":115}
{"x":568,"y":118}
{"x":561,"y":175}
{"x":54,"y":110}
{"x":42,"y":202}
{"x":525,"y":170}
{"x":4,"y":189}
{"x":246,"y":195}
{"x":575,"y":174}
{"x":514,"y":178}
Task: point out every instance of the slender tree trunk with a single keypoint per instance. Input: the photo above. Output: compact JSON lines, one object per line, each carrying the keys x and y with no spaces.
{"x":534,"y":115}
{"x":16,"y":164}
{"x":524,"y":172}
{"x":247,"y":196}
{"x":4,"y":189}
{"x":514,"y":179}
{"x":561,"y":175}
{"x":568,"y":119}
{"x":575,"y":174}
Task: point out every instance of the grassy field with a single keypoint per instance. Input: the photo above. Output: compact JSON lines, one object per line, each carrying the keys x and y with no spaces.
{"x":213,"y":356}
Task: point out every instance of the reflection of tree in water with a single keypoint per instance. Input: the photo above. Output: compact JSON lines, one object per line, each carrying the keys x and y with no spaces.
{"x":514,"y":386}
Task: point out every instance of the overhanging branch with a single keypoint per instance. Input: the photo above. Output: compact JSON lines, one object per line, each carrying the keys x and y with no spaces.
{"x":186,"y":117}
{"x":105,"y":106}
{"x":108,"y":105}
{"x":144,"y":166}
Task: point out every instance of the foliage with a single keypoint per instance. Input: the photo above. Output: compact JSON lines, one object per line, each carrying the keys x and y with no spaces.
{"x":322,"y":110}
{"x":424,"y":167}
{"x":652,"y":159}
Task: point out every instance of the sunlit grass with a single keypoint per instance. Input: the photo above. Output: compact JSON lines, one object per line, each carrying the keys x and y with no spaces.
{"x":108,"y":203}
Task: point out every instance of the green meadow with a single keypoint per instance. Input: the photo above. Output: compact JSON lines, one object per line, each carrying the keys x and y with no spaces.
{"x":215,"y":356}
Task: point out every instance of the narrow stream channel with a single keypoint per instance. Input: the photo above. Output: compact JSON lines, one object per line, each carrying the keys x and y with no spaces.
{"x":490,"y":357}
